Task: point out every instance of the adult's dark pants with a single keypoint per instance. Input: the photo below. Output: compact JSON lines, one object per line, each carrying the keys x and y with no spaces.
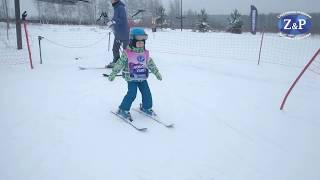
{"x":116,"y":48}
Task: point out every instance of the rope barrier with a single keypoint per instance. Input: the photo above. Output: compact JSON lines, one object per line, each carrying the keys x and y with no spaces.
{"x":85,"y":46}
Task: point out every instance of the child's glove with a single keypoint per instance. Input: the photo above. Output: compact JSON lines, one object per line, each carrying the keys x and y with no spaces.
{"x":111,"y":77}
{"x":158,"y":75}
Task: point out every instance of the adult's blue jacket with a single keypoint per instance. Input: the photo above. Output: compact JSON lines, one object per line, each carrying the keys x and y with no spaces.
{"x":121,"y":28}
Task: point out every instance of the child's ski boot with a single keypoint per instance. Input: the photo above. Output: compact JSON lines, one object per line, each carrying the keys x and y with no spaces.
{"x":149,"y":112}
{"x":124,"y":114}
{"x":110,"y":65}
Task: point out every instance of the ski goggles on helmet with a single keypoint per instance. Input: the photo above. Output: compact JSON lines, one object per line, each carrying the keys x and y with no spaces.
{"x":140,"y":37}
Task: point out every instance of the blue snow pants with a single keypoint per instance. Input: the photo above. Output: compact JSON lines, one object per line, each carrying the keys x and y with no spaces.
{"x":132,"y":93}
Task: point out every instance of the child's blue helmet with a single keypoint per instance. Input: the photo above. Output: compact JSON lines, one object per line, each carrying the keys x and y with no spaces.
{"x":138,"y":33}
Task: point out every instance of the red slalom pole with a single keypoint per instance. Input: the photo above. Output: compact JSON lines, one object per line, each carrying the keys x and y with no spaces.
{"x":298,"y":78}
{"x":24,"y":15}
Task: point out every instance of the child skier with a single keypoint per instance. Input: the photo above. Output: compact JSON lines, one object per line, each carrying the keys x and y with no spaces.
{"x":135,"y":64}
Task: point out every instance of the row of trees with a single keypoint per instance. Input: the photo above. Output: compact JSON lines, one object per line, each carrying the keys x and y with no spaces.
{"x":153,"y":14}
{"x":88,"y":13}
{"x":4,"y":9}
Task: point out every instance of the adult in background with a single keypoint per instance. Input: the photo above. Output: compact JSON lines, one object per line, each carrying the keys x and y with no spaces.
{"x":119,"y":24}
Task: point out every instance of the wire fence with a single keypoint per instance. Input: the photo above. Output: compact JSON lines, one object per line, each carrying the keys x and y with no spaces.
{"x":219,"y":46}
{"x":222,"y":46}
{"x":315,"y":66}
{"x":9,"y":54}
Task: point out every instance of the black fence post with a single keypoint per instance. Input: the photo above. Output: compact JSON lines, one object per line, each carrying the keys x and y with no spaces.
{"x":39,"y":39}
{"x":109,"y":34}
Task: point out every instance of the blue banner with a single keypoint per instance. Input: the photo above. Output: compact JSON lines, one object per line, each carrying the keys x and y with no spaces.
{"x":254,"y":19}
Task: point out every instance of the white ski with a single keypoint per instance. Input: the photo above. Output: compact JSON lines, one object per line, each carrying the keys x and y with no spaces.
{"x":90,"y":68}
{"x":129,"y":121}
{"x":155,"y":118}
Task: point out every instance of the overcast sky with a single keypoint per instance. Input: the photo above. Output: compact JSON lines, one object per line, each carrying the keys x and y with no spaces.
{"x":264,"y":6}
{"x":223,"y":6}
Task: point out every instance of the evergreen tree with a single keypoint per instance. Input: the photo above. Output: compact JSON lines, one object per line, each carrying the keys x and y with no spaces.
{"x":203,"y":25}
{"x":235,"y":22}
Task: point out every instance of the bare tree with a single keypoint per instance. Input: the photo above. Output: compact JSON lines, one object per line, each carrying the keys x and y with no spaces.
{"x":203,"y":16}
{"x":174,"y":11}
{"x":2,"y":9}
{"x":5,"y":4}
{"x":153,"y":5}
{"x":174,"y":8}
{"x":39,"y":10}
{"x":160,"y":16}
{"x":66,"y":12}
{"x":132,"y":6}
{"x":191,"y":19}
{"x":86,"y":13}
{"x":103,"y":7}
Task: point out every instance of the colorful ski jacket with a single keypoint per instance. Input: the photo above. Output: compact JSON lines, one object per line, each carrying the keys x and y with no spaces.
{"x":122,"y":64}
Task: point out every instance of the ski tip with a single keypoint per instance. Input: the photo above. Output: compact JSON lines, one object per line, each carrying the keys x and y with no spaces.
{"x":81,"y":68}
{"x":170,"y":126}
{"x":105,"y":75}
{"x":143,"y":129}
